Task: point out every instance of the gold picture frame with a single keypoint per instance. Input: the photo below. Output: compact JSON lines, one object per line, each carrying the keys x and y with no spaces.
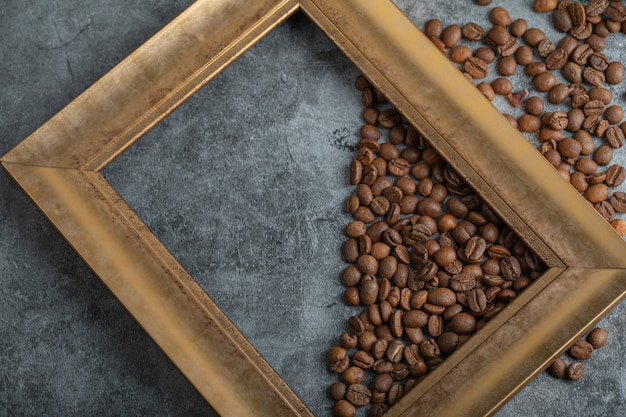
{"x":59,"y":166}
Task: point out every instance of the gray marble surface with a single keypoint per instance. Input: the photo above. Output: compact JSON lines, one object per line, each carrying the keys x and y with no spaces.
{"x":244,"y":183}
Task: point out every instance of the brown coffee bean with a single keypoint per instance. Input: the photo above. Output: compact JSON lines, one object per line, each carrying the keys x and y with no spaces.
{"x":586,"y":140}
{"x":593,"y":76}
{"x":556,"y":59}
{"x":518,"y":28}
{"x":477,"y":300}
{"x":597,"y":192}
{"x":586,"y":166}
{"x":398,"y":167}
{"x":572,"y":72}
{"x":605,"y":209}
{"x":577,"y":13}
{"x":528,"y":123}
{"x":558,"y":368}
{"x":545,"y":47}
{"x":534,"y":105}
{"x":616,"y":11}
{"x":433,"y":28}
{"x":500,"y":16}
{"x":580,"y":55}
{"x":597,"y":43}
{"x":544,"y":81}
{"x":542,"y":6}
{"x":533,"y":36}
{"x":451,"y":35}
{"x":575,"y":119}
{"x":615,"y":137}
{"x":460,"y":53}
{"x":558,"y":94}
{"x":510,"y":267}
{"x":473,"y":31}
{"x":561,"y":20}
{"x":506,"y":66}
{"x":614,"y":72}
{"x":596,"y":7}
{"x":435,"y":326}
{"x":462,"y":323}
{"x":558,"y":120}
{"x":615,"y":175}
{"x":535,"y":68}
{"x":581,"y":350}
{"x":524,"y":55}
{"x":614,"y":114}
{"x":575,"y":371}
{"x":593,"y":108}
{"x":486,"y":54}
{"x":597,"y":337}
{"x":598,"y":61}
{"x":476,"y":67}
{"x":430,"y":349}
{"x":498,"y":35}
{"x":343,"y":408}
{"x":618,"y":201}
{"x":603,"y":155}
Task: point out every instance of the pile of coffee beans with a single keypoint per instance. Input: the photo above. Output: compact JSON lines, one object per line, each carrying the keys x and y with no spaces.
{"x":430,"y":263}
{"x":572,"y":75}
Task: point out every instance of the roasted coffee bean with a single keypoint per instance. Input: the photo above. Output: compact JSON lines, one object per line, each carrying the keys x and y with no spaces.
{"x":556,"y":59}
{"x":535,"y":68}
{"x":618,"y":201}
{"x":451,"y":35}
{"x":544,"y":81}
{"x":616,"y":11}
{"x":558,"y":94}
{"x":508,"y":49}
{"x":476,"y":67}
{"x":593,"y":76}
{"x":528,"y":123}
{"x":572,"y":72}
{"x":430,"y":349}
{"x":581,"y":54}
{"x":597,"y":192}
{"x":506,"y":66}
{"x":615,"y":137}
{"x":442,"y":297}
{"x":598,"y":61}
{"x":581,"y":350}
{"x":473,"y":31}
{"x":614,"y":114}
{"x":518,"y":28}
{"x":433,"y":28}
{"x":561,"y":20}
{"x":596,"y":7}
{"x":575,"y":371}
{"x":498,"y":35}
{"x":558,"y":121}
{"x":614,"y":72}
{"x":597,"y":337}
{"x":462,"y":323}
{"x":510,"y":267}
{"x":500,"y":16}
{"x":343,"y":408}
{"x":558,"y":368}
{"x":358,"y":395}
{"x":615,"y":175}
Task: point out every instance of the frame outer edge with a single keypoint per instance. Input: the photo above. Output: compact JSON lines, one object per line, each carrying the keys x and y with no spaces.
{"x":553,"y":219}
{"x":216,"y":358}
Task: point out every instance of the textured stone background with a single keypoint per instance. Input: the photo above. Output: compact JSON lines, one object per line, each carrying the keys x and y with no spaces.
{"x":244,"y":183}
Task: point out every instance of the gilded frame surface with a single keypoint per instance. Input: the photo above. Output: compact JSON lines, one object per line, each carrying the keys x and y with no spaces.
{"x":59,"y":166}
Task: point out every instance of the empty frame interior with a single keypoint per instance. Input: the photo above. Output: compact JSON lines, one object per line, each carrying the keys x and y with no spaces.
{"x":59,"y":166}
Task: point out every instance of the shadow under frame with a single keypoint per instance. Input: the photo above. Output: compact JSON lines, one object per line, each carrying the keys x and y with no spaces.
{"x":59,"y":166}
